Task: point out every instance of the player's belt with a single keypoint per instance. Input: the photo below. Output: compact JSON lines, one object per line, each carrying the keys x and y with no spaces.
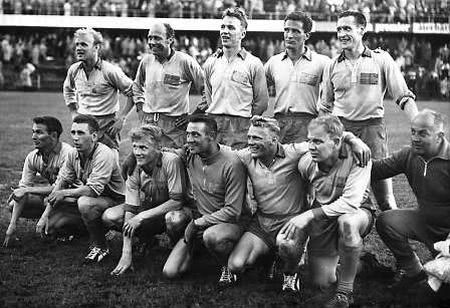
{"x":370,"y":121}
{"x":156,"y":116}
{"x":294,"y":115}
{"x":104,"y":116}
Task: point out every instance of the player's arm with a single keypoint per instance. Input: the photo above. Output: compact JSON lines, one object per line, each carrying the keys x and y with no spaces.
{"x":207,"y":94}
{"x":353,"y":194}
{"x":360,"y":150}
{"x":326,"y":100}
{"x":124,"y":84}
{"x":397,"y":87}
{"x":260,"y":92}
{"x":390,"y":166}
{"x":138,"y":88}
{"x":69,"y":92}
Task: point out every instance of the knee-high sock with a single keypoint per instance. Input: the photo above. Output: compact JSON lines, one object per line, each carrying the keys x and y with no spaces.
{"x":349,"y":265}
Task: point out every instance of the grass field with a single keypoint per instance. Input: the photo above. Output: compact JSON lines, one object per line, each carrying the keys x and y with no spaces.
{"x":42,"y":274}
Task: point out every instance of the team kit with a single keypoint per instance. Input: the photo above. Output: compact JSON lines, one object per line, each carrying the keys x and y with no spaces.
{"x":217,"y":175}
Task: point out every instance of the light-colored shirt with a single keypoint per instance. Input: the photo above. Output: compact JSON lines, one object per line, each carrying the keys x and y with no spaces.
{"x":236,"y":88}
{"x":219,"y":185}
{"x":164,"y":87}
{"x":98,"y":93}
{"x":355,"y":91}
{"x":167,"y":180}
{"x":296,"y":84}
{"x":100,"y":171}
{"x":37,"y":164}
{"x":278,"y":189}
{"x":341,"y":190}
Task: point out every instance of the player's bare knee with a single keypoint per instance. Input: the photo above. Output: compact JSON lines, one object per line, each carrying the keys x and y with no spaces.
{"x":236,"y":264}
{"x":175,"y":220}
{"x":84,"y":204}
{"x":110,"y":217}
{"x":286,"y":248}
{"x":348,"y":232}
{"x":217,"y":242}
{"x":170,"y":272}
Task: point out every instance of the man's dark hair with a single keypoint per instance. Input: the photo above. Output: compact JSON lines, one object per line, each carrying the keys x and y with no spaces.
{"x":210,"y":123}
{"x":52,"y":124}
{"x":359,"y":17}
{"x":89,"y":120}
{"x":239,"y":13}
{"x":303,"y":17}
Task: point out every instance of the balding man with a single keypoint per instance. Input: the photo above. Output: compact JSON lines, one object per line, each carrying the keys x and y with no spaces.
{"x":426,"y":164}
{"x":92,"y":87}
{"x":162,"y":84}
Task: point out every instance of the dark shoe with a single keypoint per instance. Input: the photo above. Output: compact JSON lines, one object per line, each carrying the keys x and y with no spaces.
{"x":339,"y":300}
{"x":403,"y":282}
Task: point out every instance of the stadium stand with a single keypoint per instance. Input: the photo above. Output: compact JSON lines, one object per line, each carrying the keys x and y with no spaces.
{"x":402,"y":11}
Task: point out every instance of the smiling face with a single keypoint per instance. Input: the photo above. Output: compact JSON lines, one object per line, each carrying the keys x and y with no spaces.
{"x":294,"y":36}
{"x":349,"y":33}
{"x":85,"y":50}
{"x":158,"y":42}
{"x":260,"y":141}
{"x":145,"y":151}
{"x":40,"y":136}
{"x":231,"y":32}
{"x":83,"y":139}
{"x":198,"y":140}
{"x":425,"y":137}
{"x":321,"y":146}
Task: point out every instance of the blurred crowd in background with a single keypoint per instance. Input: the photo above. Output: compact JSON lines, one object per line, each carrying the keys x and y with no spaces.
{"x":426,"y":67}
{"x":391,"y":11}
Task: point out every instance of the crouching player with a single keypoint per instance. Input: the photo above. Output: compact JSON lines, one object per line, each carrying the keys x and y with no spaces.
{"x":40,"y":170}
{"x":154,"y":188}
{"x":218,"y":180}
{"x":340,"y":215}
{"x":88,"y":183}
{"x":279,"y":191}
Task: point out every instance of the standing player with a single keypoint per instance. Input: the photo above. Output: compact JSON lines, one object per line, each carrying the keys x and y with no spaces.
{"x":341,"y":213}
{"x":162,"y":84}
{"x":235,"y":85}
{"x":218,"y":182}
{"x":156,"y":186}
{"x":355,"y":83}
{"x":87,"y":184}
{"x":296,"y":74}
{"x":91,"y":87}
{"x":39,"y":172}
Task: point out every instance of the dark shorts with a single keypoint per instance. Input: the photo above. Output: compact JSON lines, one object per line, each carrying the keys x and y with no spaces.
{"x":294,"y":127}
{"x":267,"y":228}
{"x":373,"y":132}
{"x":34,"y":205}
{"x":232,"y":130}
{"x":105,"y":122}
{"x":324,"y":235}
{"x":173,"y":137}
